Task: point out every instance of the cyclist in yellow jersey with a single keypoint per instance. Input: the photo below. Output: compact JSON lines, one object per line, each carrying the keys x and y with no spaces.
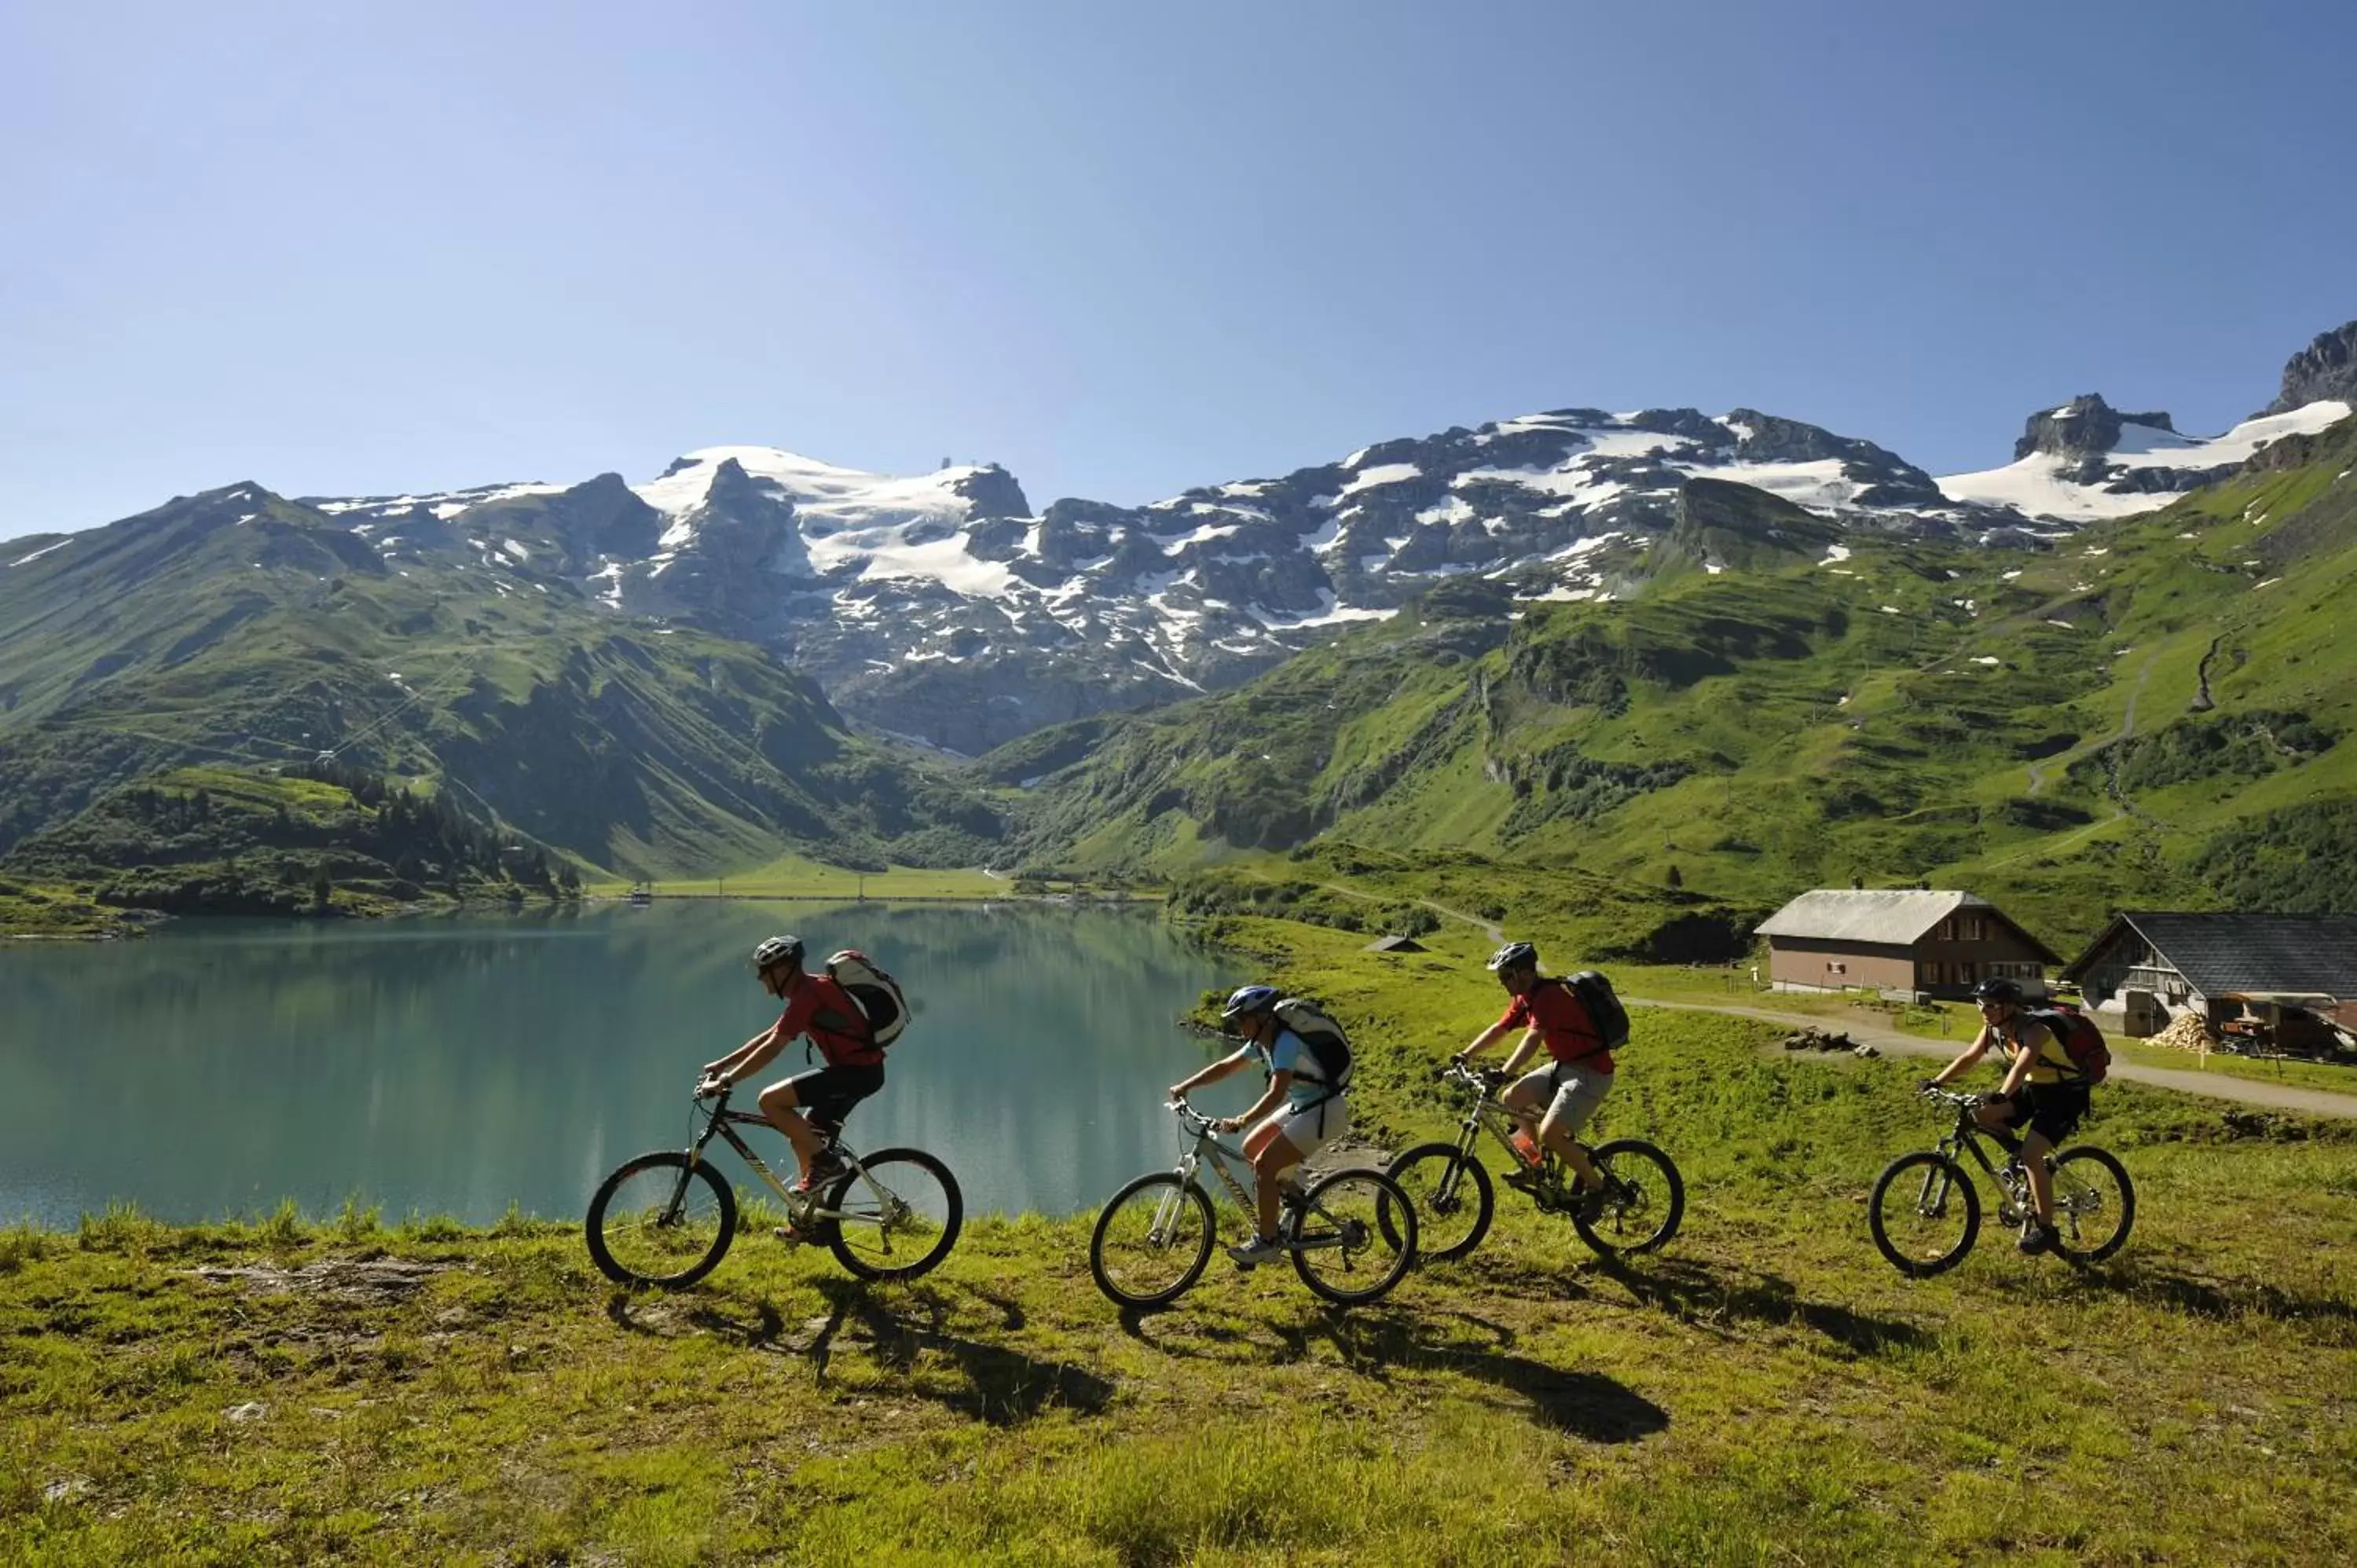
{"x":2043,"y":1088}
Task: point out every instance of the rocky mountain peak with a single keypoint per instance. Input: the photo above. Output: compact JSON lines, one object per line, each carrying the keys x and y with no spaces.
{"x":2084,"y":427}
{"x":991,"y":491}
{"x":2326,"y":370}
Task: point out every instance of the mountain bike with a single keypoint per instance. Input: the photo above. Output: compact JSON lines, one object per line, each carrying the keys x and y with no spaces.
{"x":1351,"y":1234}
{"x":1644,"y":1197}
{"x":1925,"y":1212}
{"x":666,"y":1219}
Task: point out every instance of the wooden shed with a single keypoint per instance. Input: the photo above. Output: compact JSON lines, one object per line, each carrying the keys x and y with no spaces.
{"x":1901,"y":939}
{"x":2199,"y":960}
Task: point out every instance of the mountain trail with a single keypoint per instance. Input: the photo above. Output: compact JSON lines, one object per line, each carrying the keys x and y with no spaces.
{"x":2217,"y":1086}
{"x":1495,"y":932}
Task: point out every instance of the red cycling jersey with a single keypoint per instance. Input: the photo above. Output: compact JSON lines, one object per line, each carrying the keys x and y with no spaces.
{"x":1564,"y":1028}
{"x":824,"y":1011}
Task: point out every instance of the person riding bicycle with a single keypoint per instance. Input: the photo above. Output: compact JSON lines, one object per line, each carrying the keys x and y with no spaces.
{"x":2043,"y":1088}
{"x":1296,"y":1116}
{"x":1555,"y":1102}
{"x":853,"y":1069}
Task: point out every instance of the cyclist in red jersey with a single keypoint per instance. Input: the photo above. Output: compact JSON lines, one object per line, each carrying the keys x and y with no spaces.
{"x":1557,"y":1099}
{"x":853,"y":1069}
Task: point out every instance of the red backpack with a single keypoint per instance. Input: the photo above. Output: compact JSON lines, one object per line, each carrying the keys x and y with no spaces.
{"x":2081,"y":1041}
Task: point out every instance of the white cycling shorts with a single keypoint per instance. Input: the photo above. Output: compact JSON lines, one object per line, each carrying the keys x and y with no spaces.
{"x":1311,"y":1129}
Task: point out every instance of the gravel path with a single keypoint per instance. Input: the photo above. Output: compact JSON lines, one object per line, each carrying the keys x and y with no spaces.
{"x":2215,"y":1085}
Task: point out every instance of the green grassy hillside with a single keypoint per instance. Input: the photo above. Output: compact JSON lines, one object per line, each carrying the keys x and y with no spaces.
{"x":308,"y":839}
{"x":237,"y":628}
{"x":1766,"y":1391}
{"x":2149,"y":712}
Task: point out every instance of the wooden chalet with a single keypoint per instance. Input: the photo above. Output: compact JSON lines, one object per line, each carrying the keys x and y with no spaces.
{"x":2150,"y":964}
{"x":1933,"y":944}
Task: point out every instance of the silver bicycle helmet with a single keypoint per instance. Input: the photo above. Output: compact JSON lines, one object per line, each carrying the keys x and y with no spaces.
{"x":1248,"y":999}
{"x":1515,"y":955}
{"x":775,"y":951}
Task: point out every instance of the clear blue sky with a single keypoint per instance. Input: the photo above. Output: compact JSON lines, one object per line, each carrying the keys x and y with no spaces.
{"x":1124,"y":249}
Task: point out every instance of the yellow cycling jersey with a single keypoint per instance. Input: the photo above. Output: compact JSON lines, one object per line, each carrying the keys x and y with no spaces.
{"x":2052,"y":1063}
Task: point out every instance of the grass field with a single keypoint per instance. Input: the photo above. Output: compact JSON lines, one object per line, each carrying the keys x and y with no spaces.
{"x":1766,"y":1391}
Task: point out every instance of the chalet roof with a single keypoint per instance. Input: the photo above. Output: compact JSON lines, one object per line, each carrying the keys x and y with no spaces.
{"x":1897,"y":915}
{"x":1394,"y":944}
{"x":2220,"y":952}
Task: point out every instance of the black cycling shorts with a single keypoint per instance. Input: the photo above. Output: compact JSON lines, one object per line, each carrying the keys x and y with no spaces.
{"x":828,"y":1093}
{"x":2053,"y":1110}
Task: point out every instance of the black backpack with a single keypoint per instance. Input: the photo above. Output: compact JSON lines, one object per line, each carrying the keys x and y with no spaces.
{"x":1604,"y":1009}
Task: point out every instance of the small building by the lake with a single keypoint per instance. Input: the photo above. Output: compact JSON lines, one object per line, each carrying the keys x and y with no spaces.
{"x":2150,"y":964}
{"x":1924,"y":942}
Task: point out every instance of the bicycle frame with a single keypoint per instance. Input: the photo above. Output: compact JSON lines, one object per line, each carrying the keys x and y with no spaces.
{"x":1206,"y":1148}
{"x":1488,"y":1112}
{"x":1965,"y":1137}
{"x":722,"y":1122}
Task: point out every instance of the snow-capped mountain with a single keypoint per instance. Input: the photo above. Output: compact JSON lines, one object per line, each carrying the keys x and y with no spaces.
{"x":2086,"y":461}
{"x":943,"y":607}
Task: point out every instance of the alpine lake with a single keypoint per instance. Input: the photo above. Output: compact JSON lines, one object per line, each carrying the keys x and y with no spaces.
{"x":464,"y":1066}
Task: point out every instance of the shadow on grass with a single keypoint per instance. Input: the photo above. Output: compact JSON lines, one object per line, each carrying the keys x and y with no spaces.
{"x":1001,"y":1386}
{"x":1588,"y":1406}
{"x":1696,"y":1293}
{"x":2199,"y":1296}
{"x":1374,"y":1342}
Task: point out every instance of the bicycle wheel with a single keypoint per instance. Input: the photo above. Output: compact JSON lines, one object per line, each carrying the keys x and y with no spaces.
{"x":1647,"y":1199}
{"x":1354,"y":1236}
{"x":2095,"y":1204}
{"x":1924,"y":1213}
{"x":1452,"y":1197}
{"x":1152,"y":1240}
{"x":660,"y":1222}
{"x":895,"y":1217}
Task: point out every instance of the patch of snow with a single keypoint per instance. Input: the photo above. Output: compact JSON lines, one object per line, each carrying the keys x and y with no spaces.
{"x":1822,"y":486}
{"x":1834,"y":553}
{"x":1330,"y":612}
{"x":1890,"y":609}
{"x":1455,"y":509}
{"x":2066,"y":626}
{"x":1713,"y":567}
{"x":36,"y":555}
{"x":1382,"y":473}
{"x":2270,"y":583}
{"x":514,"y":550}
{"x":1988,"y":659}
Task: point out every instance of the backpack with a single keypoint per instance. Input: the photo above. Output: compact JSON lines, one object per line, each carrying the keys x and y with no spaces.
{"x":1323,"y":1038}
{"x":2081,"y":1041}
{"x":884,"y":1008}
{"x":1604,"y":1009}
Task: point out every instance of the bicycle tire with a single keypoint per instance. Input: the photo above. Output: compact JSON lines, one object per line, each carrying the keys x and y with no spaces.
{"x":723,"y":1224}
{"x":845,"y":1236}
{"x":1664,"y":1176}
{"x":1450,"y":1184}
{"x":1194,"y":1200}
{"x":1907,"y":1260}
{"x":1393,"y":1220}
{"x":2065,"y":1233}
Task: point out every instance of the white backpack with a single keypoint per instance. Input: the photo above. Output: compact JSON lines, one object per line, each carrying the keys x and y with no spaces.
{"x":879,"y":996}
{"x":1326,"y":1043}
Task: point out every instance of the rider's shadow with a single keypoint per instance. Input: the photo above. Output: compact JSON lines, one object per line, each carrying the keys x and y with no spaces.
{"x":1588,"y":1406}
{"x":1697,"y":1295}
{"x":1000,"y":1386}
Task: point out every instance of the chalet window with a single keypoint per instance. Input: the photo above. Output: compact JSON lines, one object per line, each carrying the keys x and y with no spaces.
{"x":1964,"y":975}
{"x":1833,"y":967}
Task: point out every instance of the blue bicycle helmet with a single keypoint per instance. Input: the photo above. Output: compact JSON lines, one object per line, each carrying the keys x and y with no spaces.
{"x":1249,"y":999}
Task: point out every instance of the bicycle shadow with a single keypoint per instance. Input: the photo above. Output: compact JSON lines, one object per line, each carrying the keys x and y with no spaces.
{"x":2201,"y":1295}
{"x":998,"y":1386}
{"x":1697,"y":1294}
{"x":1587,"y":1405}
